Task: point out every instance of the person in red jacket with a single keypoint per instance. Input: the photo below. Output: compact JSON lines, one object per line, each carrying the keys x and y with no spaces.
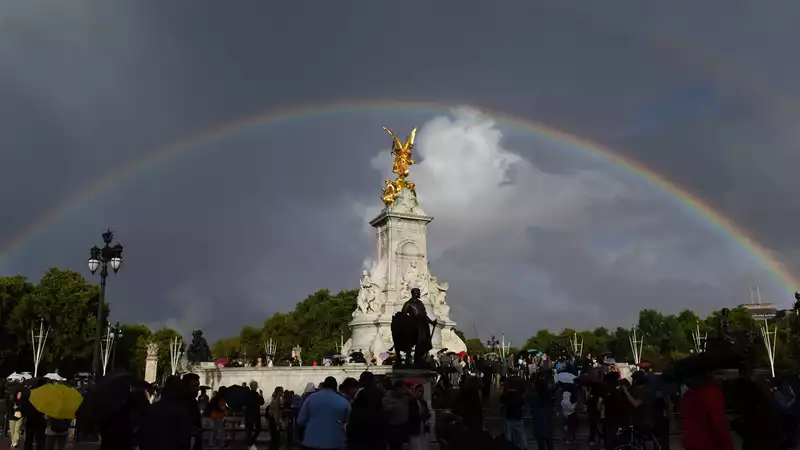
{"x":705,"y":424}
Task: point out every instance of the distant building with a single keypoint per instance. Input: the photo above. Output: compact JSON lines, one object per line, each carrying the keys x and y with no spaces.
{"x":761,"y":311}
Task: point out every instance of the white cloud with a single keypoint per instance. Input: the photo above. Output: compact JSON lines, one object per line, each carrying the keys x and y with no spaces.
{"x":476,"y":188}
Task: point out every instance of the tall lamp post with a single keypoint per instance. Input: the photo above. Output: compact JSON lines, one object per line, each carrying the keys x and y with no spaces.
{"x":101,"y":258}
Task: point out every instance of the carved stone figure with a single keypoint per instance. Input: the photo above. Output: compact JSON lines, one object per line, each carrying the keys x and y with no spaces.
{"x":198,"y":350}
{"x":408,"y":280}
{"x":152,"y":349}
{"x":259,"y":362}
{"x":439,"y":291}
{"x":422,"y":282}
{"x":367,"y":295}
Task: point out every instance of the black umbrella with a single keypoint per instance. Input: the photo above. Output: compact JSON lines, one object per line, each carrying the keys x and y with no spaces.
{"x":106,"y":397}
{"x":699,"y":364}
{"x":237,"y":396}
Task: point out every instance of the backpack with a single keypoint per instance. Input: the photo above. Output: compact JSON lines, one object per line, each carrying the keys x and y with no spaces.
{"x":59,"y":425}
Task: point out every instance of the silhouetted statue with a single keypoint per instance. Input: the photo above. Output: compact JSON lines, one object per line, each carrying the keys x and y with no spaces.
{"x":411,"y":330}
{"x":198,"y":350}
{"x":725,"y":328}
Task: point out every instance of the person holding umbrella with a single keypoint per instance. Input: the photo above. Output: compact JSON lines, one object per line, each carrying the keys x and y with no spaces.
{"x":57,"y":405}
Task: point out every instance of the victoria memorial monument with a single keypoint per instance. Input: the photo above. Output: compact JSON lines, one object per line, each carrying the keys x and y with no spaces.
{"x":401,"y":255}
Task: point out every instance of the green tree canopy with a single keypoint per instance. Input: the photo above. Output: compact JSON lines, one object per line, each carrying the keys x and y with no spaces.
{"x":68,"y":305}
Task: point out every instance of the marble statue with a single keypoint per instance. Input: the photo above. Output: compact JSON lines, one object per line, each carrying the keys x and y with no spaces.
{"x":422,"y":282}
{"x":259,"y":362}
{"x":409,"y":280}
{"x":198,"y":350}
{"x":439,"y":291}
{"x":152,"y":349}
{"x":367,"y":295}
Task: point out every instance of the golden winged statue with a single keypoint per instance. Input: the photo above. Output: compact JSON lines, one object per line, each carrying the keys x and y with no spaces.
{"x":402,"y":160}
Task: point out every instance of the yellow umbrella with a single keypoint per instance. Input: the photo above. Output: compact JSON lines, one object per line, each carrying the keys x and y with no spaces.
{"x":56,"y":400}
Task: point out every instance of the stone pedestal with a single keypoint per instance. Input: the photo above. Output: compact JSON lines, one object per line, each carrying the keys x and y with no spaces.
{"x":401,"y":264}
{"x":151,"y":363}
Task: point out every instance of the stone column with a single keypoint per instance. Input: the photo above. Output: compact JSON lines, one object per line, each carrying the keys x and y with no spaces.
{"x":151,"y":363}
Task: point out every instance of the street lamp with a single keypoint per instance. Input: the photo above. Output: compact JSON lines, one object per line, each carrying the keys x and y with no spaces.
{"x":101,"y":258}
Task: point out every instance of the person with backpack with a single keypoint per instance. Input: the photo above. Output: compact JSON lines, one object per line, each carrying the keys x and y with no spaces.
{"x":56,"y":432}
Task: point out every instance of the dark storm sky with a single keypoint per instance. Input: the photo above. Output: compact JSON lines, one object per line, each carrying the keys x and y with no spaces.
{"x":529,"y":234}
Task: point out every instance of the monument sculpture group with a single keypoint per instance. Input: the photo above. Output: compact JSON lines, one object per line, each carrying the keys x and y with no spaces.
{"x":401,"y":267}
{"x":400,"y":307}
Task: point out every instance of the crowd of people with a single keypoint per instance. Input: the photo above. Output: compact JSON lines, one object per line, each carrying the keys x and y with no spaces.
{"x":539,"y":399}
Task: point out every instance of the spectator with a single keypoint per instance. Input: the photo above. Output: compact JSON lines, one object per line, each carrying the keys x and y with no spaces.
{"x":15,"y":419}
{"x":418,"y":420}
{"x":56,"y":433}
{"x":366,"y":427}
{"x":395,"y":405}
{"x":705,"y":425}
{"x":540,"y":402}
{"x":324,"y":416}
{"x":569,"y":409}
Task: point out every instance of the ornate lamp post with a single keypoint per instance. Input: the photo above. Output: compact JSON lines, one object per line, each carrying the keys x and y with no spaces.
{"x":101,"y":258}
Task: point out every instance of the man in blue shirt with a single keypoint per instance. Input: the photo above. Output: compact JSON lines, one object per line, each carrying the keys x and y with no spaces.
{"x":324,"y":415}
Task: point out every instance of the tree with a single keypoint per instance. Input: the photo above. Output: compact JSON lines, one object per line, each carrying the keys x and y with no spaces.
{"x":131,"y":349}
{"x":226,"y":348}
{"x":164,"y":338}
{"x":541,"y":341}
{"x":12,"y":291}
{"x":251,"y":342}
{"x":475,"y":346}
{"x":68,"y":305}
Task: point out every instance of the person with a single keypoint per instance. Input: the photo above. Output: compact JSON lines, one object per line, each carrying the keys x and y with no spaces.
{"x":15,"y":419}
{"x":395,"y":404}
{"x":467,"y":404}
{"x":167,"y":425}
{"x":324,"y":416}
{"x":418,"y":420}
{"x":640,"y":399}
{"x":614,"y":410}
{"x":34,"y":424}
{"x":273,"y":416}
{"x":540,"y":403}
{"x":56,"y":432}
{"x":662,"y":415}
{"x":593,"y":413}
{"x":569,"y":409}
{"x":215,"y":411}
{"x":705,"y":425}
{"x":192,"y":382}
{"x":252,"y":415}
{"x":349,"y":388}
{"x":366,"y":426}
{"x":512,"y":402}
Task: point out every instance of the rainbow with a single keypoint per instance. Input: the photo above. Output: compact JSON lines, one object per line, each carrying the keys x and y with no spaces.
{"x":188,"y":144}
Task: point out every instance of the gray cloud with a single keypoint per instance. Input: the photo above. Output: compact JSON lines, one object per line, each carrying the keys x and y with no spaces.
{"x":528,"y":235}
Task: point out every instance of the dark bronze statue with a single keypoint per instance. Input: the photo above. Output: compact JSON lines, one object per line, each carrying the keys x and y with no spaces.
{"x":411,"y":331}
{"x":725,"y":327}
{"x":198,"y":350}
